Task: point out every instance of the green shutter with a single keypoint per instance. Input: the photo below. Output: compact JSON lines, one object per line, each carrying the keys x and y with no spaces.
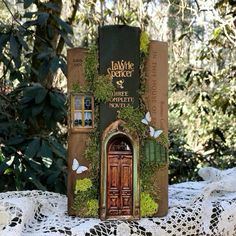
{"x":154,"y":152}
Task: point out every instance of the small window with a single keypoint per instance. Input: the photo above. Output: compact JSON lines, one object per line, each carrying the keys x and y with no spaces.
{"x":82,"y":111}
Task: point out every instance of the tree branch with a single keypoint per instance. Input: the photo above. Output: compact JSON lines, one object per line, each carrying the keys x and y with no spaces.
{"x":19,"y":23}
{"x":70,"y":21}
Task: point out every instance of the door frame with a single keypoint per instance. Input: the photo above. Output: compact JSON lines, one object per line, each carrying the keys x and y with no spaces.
{"x":117,"y":129}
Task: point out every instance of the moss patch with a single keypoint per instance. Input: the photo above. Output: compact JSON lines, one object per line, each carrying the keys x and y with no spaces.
{"x":133,"y":118}
{"x":85,"y":202}
{"x":148,"y":206}
{"x":103,"y":88}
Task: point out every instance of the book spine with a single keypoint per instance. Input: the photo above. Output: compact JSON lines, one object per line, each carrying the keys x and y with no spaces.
{"x":156,"y":101}
{"x":77,"y":140}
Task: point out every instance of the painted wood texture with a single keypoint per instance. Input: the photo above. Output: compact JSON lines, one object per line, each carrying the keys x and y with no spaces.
{"x":77,"y":139}
{"x":156,"y":101}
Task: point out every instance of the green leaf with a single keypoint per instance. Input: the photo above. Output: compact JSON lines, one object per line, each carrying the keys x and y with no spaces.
{"x":41,"y":95}
{"x":30,"y":23}
{"x":57,"y":100}
{"x":29,"y":14}
{"x":37,"y":109}
{"x":50,"y":31}
{"x":58,"y":149}
{"x":36,"y":182}
{"x":43,"y":70}
{"x":35,"y":165}
{"x":53,"y":177}
{"x":32,"y":90}
{"x":46,"y":53}
{"x":17,"y":61}
{"x":66,"y":39}
{"x":217,"y":32}
{"x":52,"y":6}
{"x":45,"y":150}
{"x":15,"y":140}
{"x":14,"y":46}
{"x":42,"y":18}
{"x":47,"y":113}
{"x":54,"y":64}
{"x":59,"y":115}
{"x":3,"y":167}
{"x":63,"y":25}
{"x":32,"y":148}
{"x":27,"y":3}
{"x":3,"y":40}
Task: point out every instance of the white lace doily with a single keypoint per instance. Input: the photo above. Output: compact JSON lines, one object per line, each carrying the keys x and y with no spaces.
{"x":195,"y":208}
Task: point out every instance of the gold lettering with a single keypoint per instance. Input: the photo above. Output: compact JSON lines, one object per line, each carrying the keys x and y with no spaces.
{"x":121,"y":69}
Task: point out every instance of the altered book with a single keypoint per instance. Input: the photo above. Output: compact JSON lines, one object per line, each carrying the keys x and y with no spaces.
{"x":118,"y":147}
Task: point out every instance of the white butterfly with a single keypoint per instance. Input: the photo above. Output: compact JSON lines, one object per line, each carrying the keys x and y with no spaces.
{"x":77,"y":167}
{"x":147,"y":119}
{"x":154,"y":133}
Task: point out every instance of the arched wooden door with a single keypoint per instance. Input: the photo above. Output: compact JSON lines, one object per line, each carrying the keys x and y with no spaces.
{"x":119,"y":178}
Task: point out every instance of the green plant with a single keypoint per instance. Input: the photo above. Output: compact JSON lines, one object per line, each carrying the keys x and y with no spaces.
{"x":144,"y":42}
{"x":83,"y":185}
{"x":103,"y":88}
{"x":85,"y":203}
{"x":91,"y":66}
{"x":32,"y":109}
{"x":92,"y":206}
{"x":132,"y":117}
{"x":148,"y":206}
{"x":76,"y":88}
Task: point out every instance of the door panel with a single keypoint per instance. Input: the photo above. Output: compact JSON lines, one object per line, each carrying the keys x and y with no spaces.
{"x":119,"y":181}
{"x":113,"y":185}
{"x":126,"y":185}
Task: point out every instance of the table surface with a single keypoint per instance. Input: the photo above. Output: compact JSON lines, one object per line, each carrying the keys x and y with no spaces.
{"x":191,"y":213}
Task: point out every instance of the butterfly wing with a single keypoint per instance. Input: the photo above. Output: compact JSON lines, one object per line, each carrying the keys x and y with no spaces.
{"x":75,"y":164}
{"x":151,"y":131}
{"x":157,"y":133}
{"x":148,"y":117}
{"x":144,"y":121}
{"x":81,"y":169}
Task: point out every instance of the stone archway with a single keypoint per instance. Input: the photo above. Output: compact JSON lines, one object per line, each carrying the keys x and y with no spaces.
{"x":119,"y":181}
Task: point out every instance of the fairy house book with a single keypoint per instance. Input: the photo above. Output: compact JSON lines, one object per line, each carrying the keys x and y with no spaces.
{"x":117,"y":126}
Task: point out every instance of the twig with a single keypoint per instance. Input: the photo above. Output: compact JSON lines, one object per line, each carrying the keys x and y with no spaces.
{"x":18,"y":22}
{"x":61,"y":42}
{"x":7,"y":67}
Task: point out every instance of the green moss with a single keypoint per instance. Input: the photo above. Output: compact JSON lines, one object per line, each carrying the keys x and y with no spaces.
{"x":163,"y":140}
{"x":92,"y":206}
{"x":83,"y":185}
{"x":148,"y":205}
{"x":85,"y":203}
{"x":92,"y":152}
{"x":103,"y":88}
{"x":76,"y":88}
{"x":100,"y":85}
{"x":144,"y":42}
{"x":91,"y":66}
{"x":133,"y":118}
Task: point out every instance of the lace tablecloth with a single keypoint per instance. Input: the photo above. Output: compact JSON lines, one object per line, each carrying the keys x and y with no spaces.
{"x":195,"y":208}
